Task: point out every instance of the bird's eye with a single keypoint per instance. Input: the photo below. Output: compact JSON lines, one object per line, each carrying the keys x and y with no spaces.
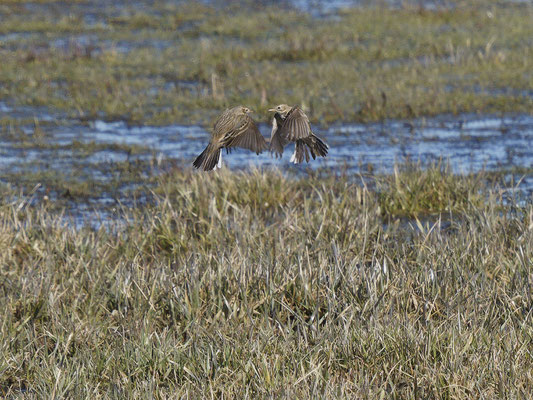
{"x":278,"y":107}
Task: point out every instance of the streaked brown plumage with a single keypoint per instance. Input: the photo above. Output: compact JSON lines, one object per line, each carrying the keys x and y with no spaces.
{"x":290,"y":124}
{"x":233,"y":128}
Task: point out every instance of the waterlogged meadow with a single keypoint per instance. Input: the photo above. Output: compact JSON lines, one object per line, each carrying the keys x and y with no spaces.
{"x":181,"y":63}
{"x":400,"y":266}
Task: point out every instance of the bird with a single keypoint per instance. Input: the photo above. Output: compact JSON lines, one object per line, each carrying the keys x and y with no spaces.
{"x":233,"y":128}
{"x":290,"y":124}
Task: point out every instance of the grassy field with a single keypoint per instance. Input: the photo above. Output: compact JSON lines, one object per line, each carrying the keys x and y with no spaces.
{"x":240,"y":285}
{"x":259,"y":283}
{"x":166,"y":63}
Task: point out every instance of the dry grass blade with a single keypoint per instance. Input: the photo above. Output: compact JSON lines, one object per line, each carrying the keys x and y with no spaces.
{"x":241,"y":285}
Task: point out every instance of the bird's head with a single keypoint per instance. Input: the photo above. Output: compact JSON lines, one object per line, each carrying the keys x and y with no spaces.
{"x":282,"y":109}
{"x":244,"y":110}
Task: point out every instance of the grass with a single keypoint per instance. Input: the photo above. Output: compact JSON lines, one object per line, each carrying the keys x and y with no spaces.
{"x":410,"y":193}
{"x":258,"y":284}
{"x":185,"y":63}
{"x":241,"y":285}
{"x":118,"y":181}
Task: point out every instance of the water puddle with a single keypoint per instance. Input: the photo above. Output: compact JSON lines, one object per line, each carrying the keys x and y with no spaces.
{"x":25,"y":112}
{"x":469,"y":143}
{"x":327,"y":8}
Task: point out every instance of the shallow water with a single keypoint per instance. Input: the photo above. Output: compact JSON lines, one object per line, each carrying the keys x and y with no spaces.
{"x":469,"y":143}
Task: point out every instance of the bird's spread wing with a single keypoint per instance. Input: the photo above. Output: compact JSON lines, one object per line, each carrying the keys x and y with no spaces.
{"x":277,"y":142}
{"x":245,"y":134}
{"x":296,"y":125}
{"x":225,"y":123}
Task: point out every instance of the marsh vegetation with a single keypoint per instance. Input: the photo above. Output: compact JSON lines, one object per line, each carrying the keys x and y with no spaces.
{"x":252,"y":284}
{"x":166,"y":63}
{"x":400,"y":267}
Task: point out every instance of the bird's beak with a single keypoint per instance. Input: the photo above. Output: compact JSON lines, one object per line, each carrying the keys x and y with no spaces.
{"x":272,"y":109}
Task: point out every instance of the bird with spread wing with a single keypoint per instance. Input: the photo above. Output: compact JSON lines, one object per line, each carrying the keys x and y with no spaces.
{"x":290,"y":124}
{"x":233,"y":128}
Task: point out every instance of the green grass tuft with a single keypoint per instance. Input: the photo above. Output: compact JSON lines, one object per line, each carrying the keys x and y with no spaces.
{"x":410,"y":192}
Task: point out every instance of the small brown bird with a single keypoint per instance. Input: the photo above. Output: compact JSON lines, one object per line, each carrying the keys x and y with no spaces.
{"x":233,"y":128}
{"x":290,"y":124}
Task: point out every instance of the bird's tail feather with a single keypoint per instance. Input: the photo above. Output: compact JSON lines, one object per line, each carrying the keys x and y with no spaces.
{"x":311,"y":145}
{"x":209,"y":158}
{"x":318,"y":146}
{"x":300,"y":152}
